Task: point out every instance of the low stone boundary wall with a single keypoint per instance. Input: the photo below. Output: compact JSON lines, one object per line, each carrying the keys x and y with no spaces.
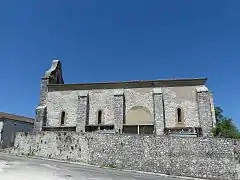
{"x":211,"y":158}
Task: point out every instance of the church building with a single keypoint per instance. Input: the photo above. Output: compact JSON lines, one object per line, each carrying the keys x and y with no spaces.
{"x":182,"y":107}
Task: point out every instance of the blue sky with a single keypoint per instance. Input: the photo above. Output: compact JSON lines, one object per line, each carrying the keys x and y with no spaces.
{"x":119,"y":40}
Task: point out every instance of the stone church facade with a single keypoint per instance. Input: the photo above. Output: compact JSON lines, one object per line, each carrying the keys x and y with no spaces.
{"x":160,"y":107}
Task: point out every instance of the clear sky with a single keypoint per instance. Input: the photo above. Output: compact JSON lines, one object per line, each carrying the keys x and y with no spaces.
{"x":109,"y":40}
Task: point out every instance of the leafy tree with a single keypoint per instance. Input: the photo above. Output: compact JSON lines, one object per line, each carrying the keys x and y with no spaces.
{"x":219,"y":114}
{"x":224,"y":126}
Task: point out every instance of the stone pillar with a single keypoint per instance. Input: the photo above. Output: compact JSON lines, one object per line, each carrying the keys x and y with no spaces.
{"x":82,"y":113}
{"x":158,"y":111}
{"x":205,"y":111}
{"x":119,"y":110}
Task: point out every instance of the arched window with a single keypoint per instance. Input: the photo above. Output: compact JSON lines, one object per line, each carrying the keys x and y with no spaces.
{"x":99,"y":117}
{"x":179,"y":115}
{"x":62,"y":118}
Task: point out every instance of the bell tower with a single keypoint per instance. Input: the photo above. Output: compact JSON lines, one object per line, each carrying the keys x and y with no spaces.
{"x":52,"y":76}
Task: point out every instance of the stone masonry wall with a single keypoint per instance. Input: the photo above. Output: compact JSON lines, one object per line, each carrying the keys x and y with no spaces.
{"x":184,"y":98}
{"x":62,"y":101}
{"x":194,"y":157}
{"x":105,"y":100}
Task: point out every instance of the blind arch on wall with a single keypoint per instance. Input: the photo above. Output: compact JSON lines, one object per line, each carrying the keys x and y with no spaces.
{"x":139,"y":115}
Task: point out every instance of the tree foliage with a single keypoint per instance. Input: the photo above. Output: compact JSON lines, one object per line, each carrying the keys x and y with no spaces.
{"x":225,"y":127}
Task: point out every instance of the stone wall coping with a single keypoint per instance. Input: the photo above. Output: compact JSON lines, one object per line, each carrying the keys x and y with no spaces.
{"x":129,"y":84}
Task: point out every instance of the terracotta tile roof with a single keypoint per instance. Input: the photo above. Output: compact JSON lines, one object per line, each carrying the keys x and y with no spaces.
{"x":16,"y":117}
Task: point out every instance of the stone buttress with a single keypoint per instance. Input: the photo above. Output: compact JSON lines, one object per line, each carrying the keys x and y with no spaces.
{"x":82,"y":113}
{"x":119,"y":110}
{"x":158,"y":111}
{"x":207,"y":119}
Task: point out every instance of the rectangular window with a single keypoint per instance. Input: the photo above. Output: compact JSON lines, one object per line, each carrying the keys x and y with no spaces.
{"x":138,"y":129}
{"x":146,"y":129}
{"x":91,"y":128}
{"x":130,"y":129}
{"x":107,"y":127}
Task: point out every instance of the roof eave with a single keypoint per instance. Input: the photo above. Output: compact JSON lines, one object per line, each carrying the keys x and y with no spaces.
{"x":129,"y":84}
